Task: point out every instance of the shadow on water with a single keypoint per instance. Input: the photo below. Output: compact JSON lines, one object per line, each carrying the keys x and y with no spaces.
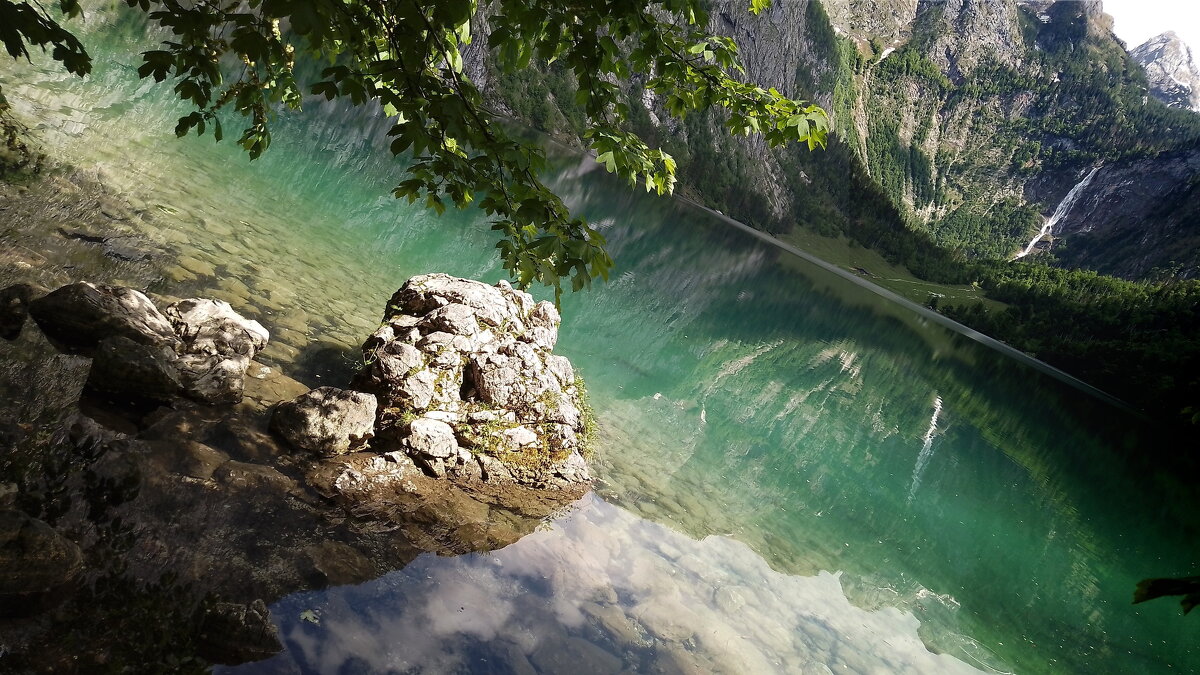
{"x":325,"y":364}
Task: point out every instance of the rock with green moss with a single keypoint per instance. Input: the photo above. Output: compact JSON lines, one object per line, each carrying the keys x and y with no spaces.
{"x":469,"y":387}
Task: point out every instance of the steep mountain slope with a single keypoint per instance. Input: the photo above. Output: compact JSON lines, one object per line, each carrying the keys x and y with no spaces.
{"x":1173,"y":74}
{"x":989,"y":114}
{"x":966,"y":120}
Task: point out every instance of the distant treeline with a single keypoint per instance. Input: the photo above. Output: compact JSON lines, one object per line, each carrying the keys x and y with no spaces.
{"x":1139,"y":341}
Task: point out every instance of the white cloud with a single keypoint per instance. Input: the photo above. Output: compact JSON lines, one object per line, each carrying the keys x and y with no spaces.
{"x":1136,"y":21}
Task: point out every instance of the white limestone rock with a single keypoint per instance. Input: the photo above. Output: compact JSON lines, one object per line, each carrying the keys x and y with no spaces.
{"x":469,"y":386}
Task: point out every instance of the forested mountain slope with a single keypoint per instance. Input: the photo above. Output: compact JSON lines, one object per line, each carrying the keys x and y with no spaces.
{"x":972,"y":118}
{"x":986,"y":114}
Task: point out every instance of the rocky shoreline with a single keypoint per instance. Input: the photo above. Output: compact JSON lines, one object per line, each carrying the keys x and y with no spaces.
{"x":171,"y":485}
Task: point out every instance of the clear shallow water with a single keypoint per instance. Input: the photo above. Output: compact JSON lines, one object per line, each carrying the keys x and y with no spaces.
{"x":794,"y":471}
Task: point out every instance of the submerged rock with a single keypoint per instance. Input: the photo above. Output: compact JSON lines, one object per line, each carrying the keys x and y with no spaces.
{"x":469,"y":388}
{"x":231,"y":634}
{"x":35,"y":563}
{"x":327,"y":420}
{"x":14,"y":307}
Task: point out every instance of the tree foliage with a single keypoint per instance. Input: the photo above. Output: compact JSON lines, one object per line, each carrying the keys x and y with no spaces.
{"x":407,"y":57}
{"x":1137,"y":340}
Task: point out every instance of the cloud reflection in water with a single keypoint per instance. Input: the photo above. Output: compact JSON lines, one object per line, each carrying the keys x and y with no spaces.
{"x":600,"y":590}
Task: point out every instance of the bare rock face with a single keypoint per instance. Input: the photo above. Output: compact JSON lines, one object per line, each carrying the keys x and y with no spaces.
{"x":215,"y":346}
{"x":887,"y":20}
{"x":469,"y":387}
{"x":327,"y":420}
{"x":1173,"y":74}
{"x":211,"y":327}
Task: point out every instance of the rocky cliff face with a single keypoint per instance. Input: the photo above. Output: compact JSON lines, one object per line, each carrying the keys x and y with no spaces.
{"x":962,"y":34}
{"x":1138,"y":218}
{"x":1173,"y":74}
{"x":966,"y":120}
{"x":888,"y":21}
{"x":982,"y":116}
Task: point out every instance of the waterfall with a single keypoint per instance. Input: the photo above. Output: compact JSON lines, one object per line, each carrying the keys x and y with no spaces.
{"x":1061,"y":212}
{"x":926,"y":449}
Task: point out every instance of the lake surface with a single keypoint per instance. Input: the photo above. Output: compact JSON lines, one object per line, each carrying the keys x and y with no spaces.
{"x":795,"y":474}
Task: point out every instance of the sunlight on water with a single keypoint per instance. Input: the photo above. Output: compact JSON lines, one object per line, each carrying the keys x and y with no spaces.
{"x":926,"y":449}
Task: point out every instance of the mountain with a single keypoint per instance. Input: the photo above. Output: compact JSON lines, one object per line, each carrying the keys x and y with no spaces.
{"x":960,"y":127}
{"x":1174,"y":76}
{"x":978,"y":117}
{"x":984,"y":115}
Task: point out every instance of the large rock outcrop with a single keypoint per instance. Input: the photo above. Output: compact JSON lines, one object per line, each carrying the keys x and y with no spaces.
{"x":469,"y":386}
{"x":83,"y":314}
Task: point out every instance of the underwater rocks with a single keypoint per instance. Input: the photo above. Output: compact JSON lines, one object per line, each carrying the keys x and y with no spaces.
{"x":35,"y":563}
{"x":14,"y":307}
{"x":469,"y":388}
{"x":232,"y":633}
{"x":197,"y":348}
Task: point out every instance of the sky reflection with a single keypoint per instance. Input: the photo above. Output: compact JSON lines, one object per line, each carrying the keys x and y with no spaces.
{"x":602,"y":591}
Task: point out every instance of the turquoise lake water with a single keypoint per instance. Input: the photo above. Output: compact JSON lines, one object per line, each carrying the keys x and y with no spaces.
{"x":795,"y":473}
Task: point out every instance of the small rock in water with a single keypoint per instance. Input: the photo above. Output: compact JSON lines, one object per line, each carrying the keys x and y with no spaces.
{"x":327,"y":420}
{"x":197,"y":266}
{"x":231,"y":633}
{"x":14,"y":307}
